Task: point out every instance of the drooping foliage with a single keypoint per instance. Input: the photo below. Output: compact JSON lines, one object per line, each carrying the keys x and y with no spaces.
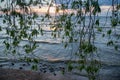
{"x":75,"y":21}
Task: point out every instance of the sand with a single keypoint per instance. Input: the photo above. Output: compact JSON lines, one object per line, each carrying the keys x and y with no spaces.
{"x":15,"y":74}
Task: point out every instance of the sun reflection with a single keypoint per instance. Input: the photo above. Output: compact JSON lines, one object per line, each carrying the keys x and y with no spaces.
{"x":44,"y":9}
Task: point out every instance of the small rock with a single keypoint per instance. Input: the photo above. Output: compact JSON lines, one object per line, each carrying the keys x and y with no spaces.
{"x":12,"y":64}
{"x":44,"y":65}
{"x":51,"y":70}
{"x":62,"y":68}
{"x":20,"y":68}
{"x":54,"y":74}
{"x":1,"y":65}
{"x":24,"y":65}
{"x":40,"y":63}
{"x":28,"y":63}
{"x":44,"y":71}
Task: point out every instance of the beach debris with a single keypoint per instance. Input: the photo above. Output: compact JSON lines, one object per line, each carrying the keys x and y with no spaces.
{"x":20,"y":68}
{"x":12,"y":64}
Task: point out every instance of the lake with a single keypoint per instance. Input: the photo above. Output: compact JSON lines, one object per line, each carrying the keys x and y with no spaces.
{"x":101,"y":2}
{"x":52,"y":49}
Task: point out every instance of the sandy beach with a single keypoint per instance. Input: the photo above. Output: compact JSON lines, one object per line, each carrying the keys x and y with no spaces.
{"x":15,"y":74}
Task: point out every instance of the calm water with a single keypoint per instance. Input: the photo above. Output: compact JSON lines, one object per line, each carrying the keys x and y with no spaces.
{"x":53,"y":49}
{"x":101,"y":2}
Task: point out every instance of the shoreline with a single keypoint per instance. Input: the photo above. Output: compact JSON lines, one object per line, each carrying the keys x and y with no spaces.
{"x":53,"y":71}
{"x":14,"y":74}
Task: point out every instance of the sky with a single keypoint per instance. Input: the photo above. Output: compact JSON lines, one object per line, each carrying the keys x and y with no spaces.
{"x":101,"y":2}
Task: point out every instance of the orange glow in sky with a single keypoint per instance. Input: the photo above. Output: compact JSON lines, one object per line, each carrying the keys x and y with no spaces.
{"x":52,"y":10}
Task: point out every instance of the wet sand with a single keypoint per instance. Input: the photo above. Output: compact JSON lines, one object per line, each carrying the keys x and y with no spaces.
{"x":14,"y":74}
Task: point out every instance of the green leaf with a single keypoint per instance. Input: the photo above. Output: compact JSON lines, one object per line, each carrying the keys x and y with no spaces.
{"x":114,"y":22}
{"x":34,"y":67}
{"x":36,"y":60}
{"x":35,"y":15}
{"x":28,"y":59}
{"x":4,"y":21}
{"x":34,"y":32}
{"x":12,"y":33}
{"x":99,"y":29}
{"x":15,"y":42}
{"x":110,"y":43}
{"x":97,"y":22}
{"x":116,"y":47}
{"x":27,"y":48}
{"x":67,"y":33}
{"x":109,"y":32}
{"x":63,"y":72}
{"x":0,"y":28}
{"x":29,"y":22}
{"x":103,"y":35}
{"x":41,"y":31}
{"x":7,"y":44}
{"x":81,"y":67}
{"x":70,"y":67}
{"x":14,"y":51}
{"x":71,"y":39}
{"x":2,"y":0}
{"x":65,"y":45}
